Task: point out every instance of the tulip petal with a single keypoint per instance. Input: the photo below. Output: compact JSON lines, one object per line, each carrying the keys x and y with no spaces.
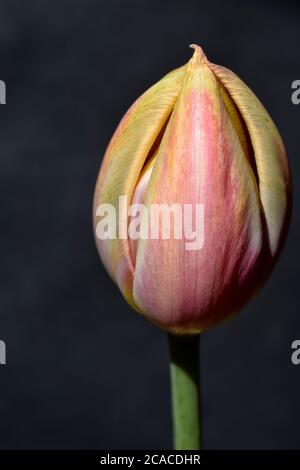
{"x":122,"y":165}
{"x":269,"y":152}
{"x":200,"y":160}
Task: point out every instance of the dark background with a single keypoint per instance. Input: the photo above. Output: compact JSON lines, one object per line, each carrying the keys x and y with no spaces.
{"x":83,"y":370}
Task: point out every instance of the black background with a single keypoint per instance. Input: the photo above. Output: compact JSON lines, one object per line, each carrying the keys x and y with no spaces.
{"x":83,"y":370}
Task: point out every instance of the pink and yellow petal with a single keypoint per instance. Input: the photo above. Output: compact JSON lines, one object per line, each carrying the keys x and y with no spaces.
{"x":269,"y":152}
{"x":200,"y":161}
{"x":123,"y":162}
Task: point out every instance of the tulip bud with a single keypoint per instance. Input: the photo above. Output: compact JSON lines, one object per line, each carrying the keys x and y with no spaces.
{"x":198,"y":137}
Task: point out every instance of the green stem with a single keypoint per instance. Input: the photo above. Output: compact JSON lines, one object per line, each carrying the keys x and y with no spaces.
{"x":184,"y":364}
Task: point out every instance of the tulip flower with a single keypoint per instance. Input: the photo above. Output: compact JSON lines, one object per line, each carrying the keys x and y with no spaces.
{"x":199,"y":136}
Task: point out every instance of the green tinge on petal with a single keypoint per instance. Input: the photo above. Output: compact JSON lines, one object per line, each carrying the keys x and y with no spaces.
{"x":269,"y":152}
{"x":124,"y":160}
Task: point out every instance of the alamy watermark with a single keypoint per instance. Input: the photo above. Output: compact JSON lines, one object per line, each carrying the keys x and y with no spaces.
{"x":156,"y":221}
{"x":2,"y":92}
{"x":296,"y":93}
{"x":2,"y":352}
{"x":2,"y":343}
{"x":295,"y":357}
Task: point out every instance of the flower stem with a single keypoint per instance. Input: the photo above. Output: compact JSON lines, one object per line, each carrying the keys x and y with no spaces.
{"x":184,"y":368}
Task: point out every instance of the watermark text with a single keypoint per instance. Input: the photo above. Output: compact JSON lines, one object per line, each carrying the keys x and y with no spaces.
{"x":155,"y":222}
{"x":2,"y":353}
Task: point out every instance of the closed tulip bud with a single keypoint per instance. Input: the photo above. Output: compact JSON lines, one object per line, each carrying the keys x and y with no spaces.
{"x":198,"y":137}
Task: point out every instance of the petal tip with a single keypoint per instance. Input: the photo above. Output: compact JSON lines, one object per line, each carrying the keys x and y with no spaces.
{"x":198,"y":57}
